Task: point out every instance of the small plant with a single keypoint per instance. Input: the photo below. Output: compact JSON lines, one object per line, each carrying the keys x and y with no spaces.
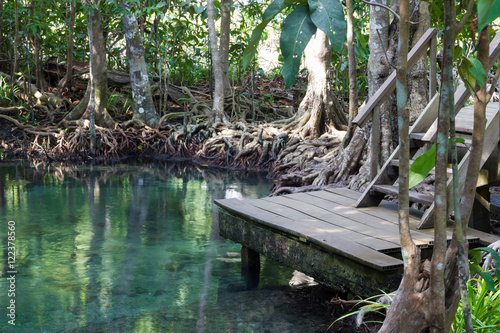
{"x":5,"y":92}
{"x":378,"y":304}
{"x":485,"y":308}
{"x":484,"y":295}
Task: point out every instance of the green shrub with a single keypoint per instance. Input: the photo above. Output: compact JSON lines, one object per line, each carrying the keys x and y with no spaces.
{"x":485,"y":308}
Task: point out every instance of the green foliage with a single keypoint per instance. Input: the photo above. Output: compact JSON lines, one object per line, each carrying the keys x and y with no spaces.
{"x":5,"y":92}
{"x":476,"y":260}
{"x":471,"y":71}
{"x":423,"y":164}
{"x":487,"y":12}
{"x":298,"y":29}
{"x":272,"y":10}
{"x":485,"y":308}
{"x":328,"y":16}
{"x":421,"y":167}
{"x":484,"y":296}
{"x":374,"y":306}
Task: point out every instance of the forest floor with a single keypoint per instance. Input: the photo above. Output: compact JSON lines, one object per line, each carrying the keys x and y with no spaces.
{"x":257,"y":137}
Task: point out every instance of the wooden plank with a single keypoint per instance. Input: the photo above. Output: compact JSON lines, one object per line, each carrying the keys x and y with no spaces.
{"x":484,"y":238}
{"x":390,"y":83}
{"x":343,"y":247}
{"x":333,"y":270}
{"x":491,"y":139}
{"x":464,"y":121}
{"x":308,"y":205}
{"x":375,"y":137}
{"x":414,"y":196}
{"x":462,"y":94}
{"x":382,"y":227}
{"x":388,"y":211}
{"x":385,"y":209}
{"x":427,"y":116}
{"x":321,"y":221}
{"x":384,"y":219}
{"x":344,"y":191}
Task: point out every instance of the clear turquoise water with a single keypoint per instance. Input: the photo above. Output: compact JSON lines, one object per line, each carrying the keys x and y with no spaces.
{"x":133,"y":249}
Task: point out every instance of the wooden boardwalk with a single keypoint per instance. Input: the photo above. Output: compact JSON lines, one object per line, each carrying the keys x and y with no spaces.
{"x":322,"y":234}
{"x":357,"y":249}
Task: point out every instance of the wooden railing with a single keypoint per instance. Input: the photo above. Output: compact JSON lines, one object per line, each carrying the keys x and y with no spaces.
{"x":371,"y":109}
{"x":462,"y":94}
{"x":427,"y":41}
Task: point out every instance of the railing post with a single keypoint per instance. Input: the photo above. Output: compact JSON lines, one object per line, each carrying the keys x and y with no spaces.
{"x":432,"y":67}
{"x":375,"y":143}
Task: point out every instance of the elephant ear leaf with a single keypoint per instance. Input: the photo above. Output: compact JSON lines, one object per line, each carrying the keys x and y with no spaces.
{"x":271,"y":11}
{"x":297,"y":30}
{"x":328,"y":15}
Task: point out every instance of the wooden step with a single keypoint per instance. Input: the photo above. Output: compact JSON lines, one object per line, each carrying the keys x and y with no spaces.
{"x":395,"y":163}
{"x":424,"y":199}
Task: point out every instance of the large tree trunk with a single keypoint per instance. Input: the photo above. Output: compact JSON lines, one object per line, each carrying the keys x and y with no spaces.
{"x":225,"y":33}
{"x":353,"y":85}
{"x":98,"y":76}
{"x":69,"y":58}
{"x":217,"y":114}
{"x":144,"y":108}
{"x":320,"y":111}
{"x":379,"y":68}
{"x":417,"y":76}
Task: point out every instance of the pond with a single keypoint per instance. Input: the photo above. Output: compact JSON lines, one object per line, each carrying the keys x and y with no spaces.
{"x":135,"y":248}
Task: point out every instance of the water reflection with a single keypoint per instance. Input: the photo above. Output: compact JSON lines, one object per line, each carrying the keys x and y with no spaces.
{"x":131,"y":248}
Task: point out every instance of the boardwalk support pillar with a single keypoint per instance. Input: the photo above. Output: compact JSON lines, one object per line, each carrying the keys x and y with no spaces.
{"x":250,"y":267}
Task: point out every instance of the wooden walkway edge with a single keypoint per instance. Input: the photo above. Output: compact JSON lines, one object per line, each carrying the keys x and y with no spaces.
{"x":322,"y":234}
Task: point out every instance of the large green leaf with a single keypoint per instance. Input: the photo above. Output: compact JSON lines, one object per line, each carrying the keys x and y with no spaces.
{"x":421,"y":167}
{"x":487,"y":12}
{"x":477,"y":252}
{"x":251,"y":48}
{"x":328,"y":15}
{"x":488,"y":279}
{"x":423,"y":164}
{"x":297,"y":30}
{"x":274,"y":8}
{"x":271,"y":11}
{"x":471,"y":71}
{"x":477,"y":70}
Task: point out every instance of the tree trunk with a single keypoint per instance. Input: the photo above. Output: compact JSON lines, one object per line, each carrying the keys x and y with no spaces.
{"x":320,"y":111}
{"x":217,"y":114}
{"x":35,"y":44}
{"x":379,"y":68}
{"x":15,"y":65}
{"x":405,"y":300}
{"x":417,"y":76}
{"x":98,"y":76}
{"x":353,"y":85}
{"x":417,"y":308}
{"x":225,"y":33}
{"x":69,"y":58}
{"x":144,"y":108}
